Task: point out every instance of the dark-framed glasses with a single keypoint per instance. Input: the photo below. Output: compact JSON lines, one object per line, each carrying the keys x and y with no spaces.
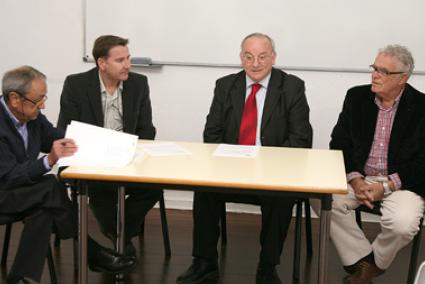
{"x":383,"y":71}
{"x":41,"y":100}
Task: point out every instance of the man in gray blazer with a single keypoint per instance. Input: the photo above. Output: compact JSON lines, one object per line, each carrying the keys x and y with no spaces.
{"x":111,"y":96}
{"x":257,"y":106}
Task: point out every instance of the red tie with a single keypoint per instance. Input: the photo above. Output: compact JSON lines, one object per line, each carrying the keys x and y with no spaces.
{"x":248,"y":129}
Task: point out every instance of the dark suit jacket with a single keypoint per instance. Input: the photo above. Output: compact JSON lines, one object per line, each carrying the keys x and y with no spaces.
{"x":285,"y":120}
{"x":81,"y":101}
{"x":355,"y":130}
{"x":19,"y":167}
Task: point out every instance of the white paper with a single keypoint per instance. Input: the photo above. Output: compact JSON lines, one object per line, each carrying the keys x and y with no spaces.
{"x":164,"y":149}
{"x":99,"y":147}
{"x":237,"y":151}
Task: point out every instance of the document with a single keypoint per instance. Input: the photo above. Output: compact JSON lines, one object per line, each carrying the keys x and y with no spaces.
{"x":99,"y":147}
{"x":163,"y":149}
{"x":237,"y":151}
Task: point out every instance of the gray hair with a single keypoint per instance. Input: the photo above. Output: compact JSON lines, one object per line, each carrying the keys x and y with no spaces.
{"x":19,"y":80}
{"x":403,"y":56}
{"x":260,"y":35}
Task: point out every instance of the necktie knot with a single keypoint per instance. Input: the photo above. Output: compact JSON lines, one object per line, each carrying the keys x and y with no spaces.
{"x":254,"y":88}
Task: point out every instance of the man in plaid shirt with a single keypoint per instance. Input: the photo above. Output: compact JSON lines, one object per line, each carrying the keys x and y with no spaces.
{"x":381,"y":131}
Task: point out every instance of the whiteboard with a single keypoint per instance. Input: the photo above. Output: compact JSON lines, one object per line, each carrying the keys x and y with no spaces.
{"x":328,"y":34}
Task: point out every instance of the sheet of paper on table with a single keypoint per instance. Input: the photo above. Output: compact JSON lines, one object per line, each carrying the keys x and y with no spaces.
{"x":163,"y":149}
{"x":237,"y":151}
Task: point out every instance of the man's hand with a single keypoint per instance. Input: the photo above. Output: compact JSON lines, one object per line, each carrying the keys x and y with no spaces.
{"x":61,"y":148}
{"x":367,"y":193}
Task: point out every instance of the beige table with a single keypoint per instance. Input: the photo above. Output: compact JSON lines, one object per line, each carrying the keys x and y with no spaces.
{"x":280,"y":171}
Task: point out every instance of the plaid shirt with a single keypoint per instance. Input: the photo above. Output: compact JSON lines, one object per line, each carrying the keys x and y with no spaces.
{"x":377,"y":162}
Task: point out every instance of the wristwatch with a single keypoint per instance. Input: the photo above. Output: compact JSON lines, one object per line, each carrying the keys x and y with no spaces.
{"x":387,"y":189}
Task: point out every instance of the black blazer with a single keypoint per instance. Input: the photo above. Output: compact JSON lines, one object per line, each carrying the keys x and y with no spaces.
{"x":285,"y":120}
{"x":355,"y":130}
{"x":18,"y":166}
{"x":81,"y":101}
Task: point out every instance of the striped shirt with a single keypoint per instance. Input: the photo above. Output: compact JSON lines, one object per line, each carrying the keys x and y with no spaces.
{"x":377,"y":162}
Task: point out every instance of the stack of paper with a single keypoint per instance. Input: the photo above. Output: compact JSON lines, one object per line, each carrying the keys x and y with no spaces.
{"x":99,"y":147}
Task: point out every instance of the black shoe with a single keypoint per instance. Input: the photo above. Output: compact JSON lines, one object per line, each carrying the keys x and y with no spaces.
{"x":267,"y":275}
{"x":109,"y":261}
{"x":16,"y":279}
{"x":130,"y":251}
{"x":199,"y":271}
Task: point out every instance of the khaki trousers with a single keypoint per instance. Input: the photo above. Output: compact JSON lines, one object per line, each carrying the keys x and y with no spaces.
{"x":401,"y":213}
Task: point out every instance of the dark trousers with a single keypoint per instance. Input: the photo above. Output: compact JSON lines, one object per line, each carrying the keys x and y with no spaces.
{"x":103,"y":202}
{"x":276,"y":217}
{"x":42,"y":206}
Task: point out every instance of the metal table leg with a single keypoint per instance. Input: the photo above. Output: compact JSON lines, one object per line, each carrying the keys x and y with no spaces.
{"x":325,"y":223}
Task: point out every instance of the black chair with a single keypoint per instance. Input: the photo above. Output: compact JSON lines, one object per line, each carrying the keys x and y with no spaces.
{"x":8,"y":221}
{"x":167,"y":248}
{"x":415,"y":244}
{"x":297,"y":245}
{"x":164,"y":224}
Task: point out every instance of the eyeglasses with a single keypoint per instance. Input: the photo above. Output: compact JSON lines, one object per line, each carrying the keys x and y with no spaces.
{"x":37,"y":102}
{"x":262,"y":58}
{"x":383,"y":71}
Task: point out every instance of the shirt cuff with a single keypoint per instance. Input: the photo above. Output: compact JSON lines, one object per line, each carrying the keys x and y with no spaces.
{"x":46,"y":163}
{"x":395,"y":178}
{"x":353,"y":175}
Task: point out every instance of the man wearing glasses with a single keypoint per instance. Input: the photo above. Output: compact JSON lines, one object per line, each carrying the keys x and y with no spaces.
{"x":26,"y":192}
{"x":381,"y":131}
{"x":258,"y":106}
{"x":111,"y":96}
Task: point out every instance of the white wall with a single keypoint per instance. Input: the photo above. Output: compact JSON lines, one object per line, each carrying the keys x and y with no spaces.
{"x":48,"y":34}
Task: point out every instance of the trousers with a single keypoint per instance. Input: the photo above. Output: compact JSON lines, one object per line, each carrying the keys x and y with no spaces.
{"x":276,"y":216}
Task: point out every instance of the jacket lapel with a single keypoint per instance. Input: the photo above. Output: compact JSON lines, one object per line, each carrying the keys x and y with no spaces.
{"x":369,"y":116}
{"x":272,"y":96}
{"x":127,"y":106}
{"x":95,"y":97}
{"x":402,"y":118}
{"x":237,"y":95}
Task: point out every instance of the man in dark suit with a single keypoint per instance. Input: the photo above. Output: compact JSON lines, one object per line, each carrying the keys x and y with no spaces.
{"x":381,"y":131}
{"x":112,"y":97}
{"x":25,"y":191}
{"x":257,"y":106}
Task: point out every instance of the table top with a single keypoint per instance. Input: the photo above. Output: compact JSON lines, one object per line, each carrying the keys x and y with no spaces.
{"x":274,"y":168}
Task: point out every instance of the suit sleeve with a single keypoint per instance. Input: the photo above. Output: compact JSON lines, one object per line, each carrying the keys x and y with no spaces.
{"x":214,"y":128}
{"x":145,"y":128}
{"x":14,"y":173}
{"x":300,"y":131}
{"x":69,"y":105}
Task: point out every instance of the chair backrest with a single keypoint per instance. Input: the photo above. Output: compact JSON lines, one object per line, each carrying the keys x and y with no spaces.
{"x":6,"y":219}
{"x":420,"y":275}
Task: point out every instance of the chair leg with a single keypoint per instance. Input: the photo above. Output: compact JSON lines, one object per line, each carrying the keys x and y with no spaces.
{"x":309,"y":239}
{"x":414,"y":255}
{"x":297,"y":245}
{"x":359,"y":218}
{"x":6,"y":244}
{"x":51,"y":264}
{"x":164,"y":226}
{"x":57,"y":242}
{"x":223,"y":225}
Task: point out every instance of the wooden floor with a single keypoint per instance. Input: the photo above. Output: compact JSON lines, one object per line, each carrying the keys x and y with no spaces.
{"x":238,"y":260}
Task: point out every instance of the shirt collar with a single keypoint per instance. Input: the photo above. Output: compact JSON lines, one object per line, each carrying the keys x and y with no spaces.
{"x":15,"y":121}
{"x":103,"y":88}
{"x":264,"y":83}
{"x":378,"y":102}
